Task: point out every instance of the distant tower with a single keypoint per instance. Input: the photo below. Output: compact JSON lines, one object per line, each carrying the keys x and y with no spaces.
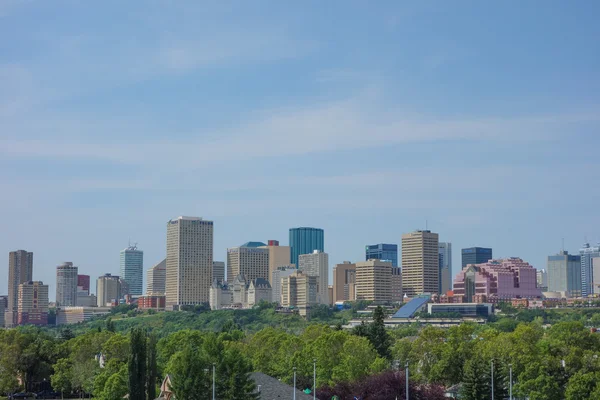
{"x":420,"y":263}
{"x":66,"y":285}
{"x":132,"y":269}
{"x":20,"y":270}
{"x":317,"y":264}
{"x":445,"y":254}
{"x":156,"y":278}
{"x":304,"y":241}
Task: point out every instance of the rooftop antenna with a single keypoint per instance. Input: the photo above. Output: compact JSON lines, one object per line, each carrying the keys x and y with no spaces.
{"x":426,"y":224}
{"x":563,"y":244}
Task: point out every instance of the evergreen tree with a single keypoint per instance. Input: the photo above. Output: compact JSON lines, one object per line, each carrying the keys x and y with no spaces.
{"x":137,"y":365}
{"x":189,"y":374}
{"x":476,"y":384}
{"x":378,"y":336}
{"x":152,"y":369}
{"x":110,"y":325}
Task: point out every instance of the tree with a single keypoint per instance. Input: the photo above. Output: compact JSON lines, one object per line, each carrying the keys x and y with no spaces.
{"x":476,"y":385}
{"x":152,"y":369}
{"x":238,"y":383}
{"x":62,"y":377}
{"x":189,"y":378}
{"x":378,"y":335}
{"x":137,"y":365}
{"x":110,"y":325}
{"x":581,"y":385}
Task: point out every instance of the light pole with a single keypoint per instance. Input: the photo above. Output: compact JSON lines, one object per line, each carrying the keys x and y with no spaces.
{"x":214,"y":386}
{"x":509,"y":381}
{"x":406,"y":373}
{"x":294,"y":383}
{"x":314,"y":379}
{"x":492,"y":379}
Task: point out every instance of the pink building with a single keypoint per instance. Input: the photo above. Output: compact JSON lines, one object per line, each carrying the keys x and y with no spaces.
{"x":501,"y":279}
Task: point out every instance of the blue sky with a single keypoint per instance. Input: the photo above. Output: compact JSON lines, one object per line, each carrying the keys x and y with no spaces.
{"x":362,"y":118}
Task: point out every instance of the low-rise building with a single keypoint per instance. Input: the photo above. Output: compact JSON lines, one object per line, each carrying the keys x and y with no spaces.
{"x":75,"y":315}
{"x":86,"y":300}
{"x":152,"y":301}
{"x":472,"y":310}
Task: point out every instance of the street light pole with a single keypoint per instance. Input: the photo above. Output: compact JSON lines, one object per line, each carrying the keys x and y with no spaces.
{"x":407,"y":394}
{"x":294,"y":383}
{"x":214,"y":394}
{"x":314,"y":379}
{"x":492,"y":379}
{"x":510,"y":382}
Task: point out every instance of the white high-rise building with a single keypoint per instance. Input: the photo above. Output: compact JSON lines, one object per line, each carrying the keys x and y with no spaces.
{"x":317,"y":264}
{"x":276,"y":281}
{"x":66,"y":285}
{"x":445,"y":258}
{"x":132,"y":269}
{"x":189,"y":261}
{"x":156,"y":278}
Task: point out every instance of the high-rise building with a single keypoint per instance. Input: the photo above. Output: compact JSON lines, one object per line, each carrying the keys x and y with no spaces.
{"x":20,"y":270}
{"x":564,"y":274}
{"x":276,"y":276}
{"x":3,"y":307}
{"x":317,"y":264}
{"x":279,"y":256}
{"x":383,"y":252}
{"x":108,"y":290}
{"x":83,"y":283}
{"x":66,"y":285}
{"x":420,"y":263}
{"x":445,"y":257}
{"x":219,"y":271}
{"x":304,"y":241}
{"x":156,"y":278}
{"x":587,"y":253}
{"x":344,"y":282}
{"x":33,"y":303}
{"x":132,"y":269}
{"x":189,"y":261}
{"x":542,"y":280}
{"x":374,"y":281}
{"x":300,"y":291}
{"x":397,"y":285}
{"x":250,"y":259}
{"x":476,"y":255}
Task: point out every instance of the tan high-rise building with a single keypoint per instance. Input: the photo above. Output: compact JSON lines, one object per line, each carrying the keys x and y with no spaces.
{"x":299,"y":290}
{"x":33,"y":303}
{"x":108,"y":290}
{"x":250,"y":259}
{"x":20,"y":270}
{"x":374,"y":281}
{"x":420,"y":263}
{"x":279,"y":256}
{"x":344,"y":281}
{"x":156,"y":279}
{"x":189,"y":261}
{"x":317,"y":264}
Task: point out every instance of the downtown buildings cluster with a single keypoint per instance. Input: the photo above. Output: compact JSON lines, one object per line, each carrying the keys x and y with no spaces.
{"x":296,"y":276}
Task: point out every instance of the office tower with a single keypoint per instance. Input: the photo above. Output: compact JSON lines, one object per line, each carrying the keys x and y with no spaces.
{"x":20,"y":270}
{"x":445,"y":262}
{"x":219,"y":271}
{"x":250,"y":259}
{"x":317,"y":264}
{"x":108,"y":290}
{"x":132,"y":269}
{"x":542,"y":280}
{"x":502,"y":279}
{"x":383,"y":252}
{"x":564,"y":274}
{"x":3,"y":307}
{"x":276,"y":277}
{"x":587,"y":253}
{"x":66,"y":285}
{"x":476,"y":255}
{"x":83,"y":283}
{"x":189,"y":261}
{"x":300,"y":291}
{"x":279,"y":256}
{"x":397,"y":285}
{"x":33,"y":303}
{"x":305,"y":241}
{"x":156,"y":279}
{"x":344,"y":282}
{"x":374,"y":281}
{"x":420,"y":263}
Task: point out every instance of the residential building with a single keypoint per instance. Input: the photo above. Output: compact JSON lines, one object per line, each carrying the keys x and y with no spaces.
{"x":374,"y":281}
{"x":420,"y":263}
{"x":66,"y":285}
{"x":32,"y":303}
{"x":250,"y":259}
{"x":383,"y":252}
{"x":3,"y":307}
{"x":276,"y":276}
{"x":108,"y":290}
{"x":305,"y":240}
{"x":299,"y":291}
{"x":156,"y":279}
{"x":476,"y":255}
{"x":542,"y":280}
{"x":221,"y":295}
{"x":397,"y":285}
{"x":445,"y":263}
{"x":76,"y":315}
{"x":132,"y":269}
{"x":152,"y":301}
{"x":219,"y":271}
{"x":259,"y":290}
{"x":501,"y":279}
{"x":83,"y":282}
{"x":564,"y":274}
{"x":20,"y":270}
{"x":279,"y":256}
{"x":189,"y":261}
{"x":587,"y":253}
{"x":344,"y":282}
{"x":317,"y":264}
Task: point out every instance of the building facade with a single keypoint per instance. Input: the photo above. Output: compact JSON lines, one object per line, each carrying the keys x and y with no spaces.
{"x":189,"y":261}
{"x":250,"y":259}
{"x":219,"y":271}
{"x":3,"y":307}
{"x":299,"y":291}
{"x":564,"y":273}
{"x":317,"y":264}
{"x":259,"y":290}
{"x":383,"y":252}
{"x":304,"y":241}
{"x":445,"y":262}
{"x":156,"y":279}
{"x":66,"y":285}
{"x":344,"y":282}
{"x":76,"y":315}
{"x":132,"y":269}
{"x":542,"y":280}
{"x":420,"y":263}
{"x":152,"y":301}
{"x":476,"y":255}
{"x":33,"y":304}
{"x":374,"y":281}
{"x":397,"y":294}
{"x":83,"y":283}
{"x":587,"y":253}
{"x":276,"y":277}
{"x":20,"y":270}
{"x":221,"y":295}
{"x":108,"y":290}
{"x":279,"y":256}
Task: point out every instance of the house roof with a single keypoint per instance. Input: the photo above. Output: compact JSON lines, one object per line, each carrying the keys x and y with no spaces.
{"x":273,"y":389}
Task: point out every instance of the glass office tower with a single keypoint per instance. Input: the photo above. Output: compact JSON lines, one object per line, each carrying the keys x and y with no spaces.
{"x":476,"y":255}
{"x":305,"y":241}
{"x":383,"y":252}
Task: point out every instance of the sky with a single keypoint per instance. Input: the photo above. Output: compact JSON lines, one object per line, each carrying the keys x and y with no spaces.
{"x":478,"y":120}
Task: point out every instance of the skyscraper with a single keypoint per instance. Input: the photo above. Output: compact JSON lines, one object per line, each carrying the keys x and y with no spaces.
{"x":564,"y":274}
{"x":132,"y":269}
{"x":344,"y":282}
{"x":279,"y":256}
{"x":66,"y":285}
{"x":445,"y":257}
{"x":108,"y":290}
{"x":83,"y":282}
{"x":219,"y":271}
{"x":304,"y":241}
{"x":420,"y":263}
{"x":20,"y":270}
{"x":189,"y":261}
{"x":383,"y":252}
{"x":317,"y":264}
{"x":3,"y":306}
{"x":156,"y":278}
{"x":476,"y":255}
{"x":374,"y":281}
{"x":250,"y":259}
{"x":587,"y":253}
{"x":33,"y":303}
